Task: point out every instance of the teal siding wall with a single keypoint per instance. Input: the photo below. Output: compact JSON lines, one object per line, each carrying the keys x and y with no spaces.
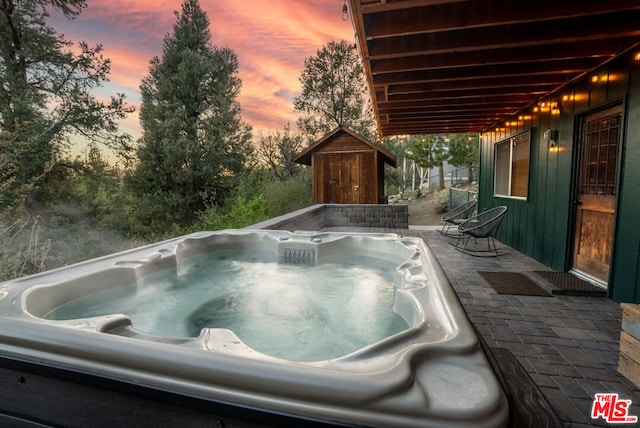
{"x":625,"y":275}
{"x":541,"y":226}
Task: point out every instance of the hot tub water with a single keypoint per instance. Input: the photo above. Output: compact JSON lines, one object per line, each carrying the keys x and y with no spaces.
{"x":292,"y":311}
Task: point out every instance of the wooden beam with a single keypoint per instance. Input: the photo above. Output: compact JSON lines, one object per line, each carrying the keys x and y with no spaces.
{"x":597,"y":49}
{"x":428,"y":18}
{"x":501,"y":37}
{"x":571,"y":68}
{"x":530,"y":82}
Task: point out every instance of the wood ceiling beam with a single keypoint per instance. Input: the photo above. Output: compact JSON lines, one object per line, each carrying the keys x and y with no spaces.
{"x":501,"y":110}
{"x":597,"y":49}
{"x":472,"y":117}
{"x":529,"y":82}
{"x":469,"y":95}
{"x":484,"y":100}
{"x":571,"y":67}
{"x":466,"y":95}
{"x":427,"y":18}
{"x":501,"y":37}
{"x":447,"y":113}
{"x":449,"y":128}
{"x":374,"y":6}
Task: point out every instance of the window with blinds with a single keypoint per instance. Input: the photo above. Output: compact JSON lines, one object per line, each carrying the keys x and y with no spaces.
{"x":512,"y":166}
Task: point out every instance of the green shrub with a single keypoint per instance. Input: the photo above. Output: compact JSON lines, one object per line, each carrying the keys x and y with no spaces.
{"x":240,"y":213}
{"x":441,"y":201}
{"x":282,"y":197}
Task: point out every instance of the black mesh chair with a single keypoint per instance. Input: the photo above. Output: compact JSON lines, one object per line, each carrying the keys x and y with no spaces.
{"x":457,"y":216}
{"x":484,"y":225}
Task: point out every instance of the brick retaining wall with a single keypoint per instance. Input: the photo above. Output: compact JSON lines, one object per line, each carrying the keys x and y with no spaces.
{"x":318,"y":217}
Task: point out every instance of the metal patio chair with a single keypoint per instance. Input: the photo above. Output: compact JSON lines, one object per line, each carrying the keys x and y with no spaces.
{"x":457,"y":216}
{"x":484,"y":225}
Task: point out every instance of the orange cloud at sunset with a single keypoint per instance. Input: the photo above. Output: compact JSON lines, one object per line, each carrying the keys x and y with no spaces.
{"x":271,"y":38}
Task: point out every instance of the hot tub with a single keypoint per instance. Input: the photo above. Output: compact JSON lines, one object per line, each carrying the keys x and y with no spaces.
{"x":421,"y":366}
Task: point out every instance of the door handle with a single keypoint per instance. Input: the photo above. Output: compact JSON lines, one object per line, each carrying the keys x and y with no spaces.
{"x":356,"y":187}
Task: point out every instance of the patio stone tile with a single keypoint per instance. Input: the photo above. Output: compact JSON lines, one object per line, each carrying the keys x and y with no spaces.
{"x":564,"y":408}
{"x":547,"y":332}
{"x":539,"y":365}
{"x":561,"y":341}
{"x":569,"y":322}
{"x":527,"y":310}
{"x":578,"y":357}
{"x":556,"y":359}
{"x":479,"y":320}
{"x":522,"y":327}
{"x":520,"y":349}
{"x":603,"y":357}
{"x":533,"y":340}
{"x":571,"y":387}
{"x":572,"y":333}
{"x":510,"y":310}
{"x":498,"y":321}
{"x":613,"y":368}
{"x":547,"y":349}
{"x":515,"y":304}
{"x":596,"y":373}
{"x":483,"y":295}
{"x":483,"y":329}
{"x":543,"y":380}
{"x":497,"y":313}
{"x":592,"y":386}
{"x":503,"y":333}
{"x":593,"y":344}
{"x":606,"y":336}
{"x":567,"y":371}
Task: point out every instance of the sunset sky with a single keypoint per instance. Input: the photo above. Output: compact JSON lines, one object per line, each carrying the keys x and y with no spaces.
{"x":271,"y":38}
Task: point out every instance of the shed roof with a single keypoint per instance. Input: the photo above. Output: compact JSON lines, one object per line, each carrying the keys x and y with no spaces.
{"x":305,"y":157}
{"x":451,"y":66}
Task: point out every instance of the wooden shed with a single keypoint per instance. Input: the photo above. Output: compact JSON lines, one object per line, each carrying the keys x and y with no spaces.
{"x":347,"y":168}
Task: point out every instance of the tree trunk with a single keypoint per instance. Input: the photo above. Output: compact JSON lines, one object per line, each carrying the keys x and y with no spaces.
{"x":470,"y":174}
{"x":441,"y":175}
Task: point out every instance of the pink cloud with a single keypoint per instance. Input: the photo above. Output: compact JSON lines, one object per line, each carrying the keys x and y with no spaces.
{"x":271,"y":38}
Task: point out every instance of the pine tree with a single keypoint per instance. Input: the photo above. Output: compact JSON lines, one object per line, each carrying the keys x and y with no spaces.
{"x":194,"y":141}
{"x":333,"y":93}
{"x":46,"y":95}
{"x":464,"y":150}
{"x":428,"y":151}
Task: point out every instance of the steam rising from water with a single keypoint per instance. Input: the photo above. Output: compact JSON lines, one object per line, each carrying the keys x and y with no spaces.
{"x":295,"y":312}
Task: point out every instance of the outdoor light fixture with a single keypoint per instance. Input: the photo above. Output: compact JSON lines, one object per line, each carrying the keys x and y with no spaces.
{"x":345,"y":11}
{"x":551,"y":137}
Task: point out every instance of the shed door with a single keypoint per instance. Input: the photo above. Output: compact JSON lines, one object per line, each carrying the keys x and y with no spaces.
{"x":341,"y":177}
{"x":596,"y":193}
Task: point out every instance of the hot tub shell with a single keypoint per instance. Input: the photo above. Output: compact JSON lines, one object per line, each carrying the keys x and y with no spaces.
{"x":433,"y":374}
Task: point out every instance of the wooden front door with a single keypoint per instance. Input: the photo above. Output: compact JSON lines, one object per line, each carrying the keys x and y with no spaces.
{"x":596,"y":193}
